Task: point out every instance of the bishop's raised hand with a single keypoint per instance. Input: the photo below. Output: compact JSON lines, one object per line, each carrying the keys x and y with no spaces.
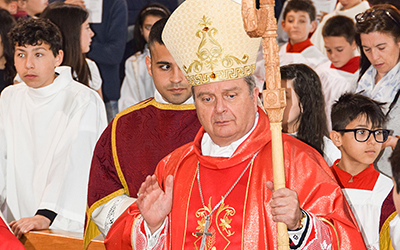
{"x":154,"y":203}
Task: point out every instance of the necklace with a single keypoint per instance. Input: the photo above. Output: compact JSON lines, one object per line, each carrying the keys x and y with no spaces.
{"x":205,"y":232}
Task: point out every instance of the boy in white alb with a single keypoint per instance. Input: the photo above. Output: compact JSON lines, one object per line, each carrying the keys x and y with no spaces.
{"x":357,"y":130}
{"x":339,"y":74}
{"x":298,"y":23}
{"x":349,"y":8}
{"x":49,"y":125}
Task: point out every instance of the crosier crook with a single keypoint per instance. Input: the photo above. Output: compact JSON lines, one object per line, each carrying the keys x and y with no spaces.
{"x":262,"y":23}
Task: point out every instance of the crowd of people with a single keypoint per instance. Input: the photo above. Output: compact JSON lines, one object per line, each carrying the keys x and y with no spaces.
{"x":147,"y":127}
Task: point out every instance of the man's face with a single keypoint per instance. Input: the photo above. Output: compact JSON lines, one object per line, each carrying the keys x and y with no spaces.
{"x":226,"y":109}
{"x":167,"y":76}
{"x":33,"y":7}
{"x":35,"y":64}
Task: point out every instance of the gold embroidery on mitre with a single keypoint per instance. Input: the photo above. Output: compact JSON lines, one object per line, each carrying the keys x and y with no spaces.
{"x":210,"y":54}
{"x":222,"y":222}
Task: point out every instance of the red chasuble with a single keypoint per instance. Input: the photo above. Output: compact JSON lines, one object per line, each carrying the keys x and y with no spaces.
{"x":131,"y":147}
{"x":244,"y":220}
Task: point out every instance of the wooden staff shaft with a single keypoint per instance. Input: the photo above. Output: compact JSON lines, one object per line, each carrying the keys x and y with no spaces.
{"x":262,"y":23}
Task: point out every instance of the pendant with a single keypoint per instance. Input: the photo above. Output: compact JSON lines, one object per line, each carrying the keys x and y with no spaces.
{"x":205,"y":234}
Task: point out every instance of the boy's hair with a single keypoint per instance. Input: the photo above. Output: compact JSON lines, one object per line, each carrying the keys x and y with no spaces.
{"x":395,"y":163}
{"x":300,"y":5}
{"x":35,"y":31}
{"x":340,"y":26}
{"x":156,"y":32}
{"x":351,"y":106}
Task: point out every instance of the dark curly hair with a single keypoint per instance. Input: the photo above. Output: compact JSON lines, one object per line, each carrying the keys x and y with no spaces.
{"x":154,"y":9}
{"x":7,"y":22}
{"x":377,"y":20}
{"x":312,"y":120}
{"x":35,"y":31}
{"x":69,"y":19}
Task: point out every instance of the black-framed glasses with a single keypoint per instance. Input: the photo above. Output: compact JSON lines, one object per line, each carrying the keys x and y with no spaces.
{"x":364,"y":16}
{"x":363,"y":134}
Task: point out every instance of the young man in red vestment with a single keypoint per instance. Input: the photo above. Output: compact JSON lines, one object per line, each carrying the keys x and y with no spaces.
{"x":215,"y":193}
{"x":138,"y":138}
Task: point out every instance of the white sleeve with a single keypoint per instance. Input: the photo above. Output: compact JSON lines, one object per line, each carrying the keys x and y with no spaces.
{"x":130,"y":93}
{"x":66,"y":188}
{"x":144,"y":240}
{"x":105,"y":215}
{"x":96,"y":80}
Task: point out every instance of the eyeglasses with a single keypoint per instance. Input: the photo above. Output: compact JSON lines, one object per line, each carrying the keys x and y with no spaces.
{"x":364,"y":16}
{"x":362,"y":134}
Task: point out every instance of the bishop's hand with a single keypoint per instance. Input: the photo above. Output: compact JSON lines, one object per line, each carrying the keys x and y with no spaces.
{"x":285,"y":206}
{"x":154,"y":203}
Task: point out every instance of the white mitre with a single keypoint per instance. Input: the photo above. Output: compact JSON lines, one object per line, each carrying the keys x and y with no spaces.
{"x":208,"y":41}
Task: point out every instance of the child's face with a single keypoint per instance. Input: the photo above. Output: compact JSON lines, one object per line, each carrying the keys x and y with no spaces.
{"x":338,"y":50}
{"x":348,"y":4}
{"x":10,"y":7}
{"x":148,"y":22}
{"x":35,"y":64}
{"x":355,"y":152}
{"x":292,"y":110}
{"x":86,"y":36}
{"x":33,"y":7}
{"x":396,"y":197}
{"x":298,"y":26}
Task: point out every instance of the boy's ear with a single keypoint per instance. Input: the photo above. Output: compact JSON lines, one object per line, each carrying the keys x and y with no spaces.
{"x":283,"y":25}
{"x":313,"y":26}
{"x":59,"y":58}
{"x":354,"y":45}
{"x":148,"y":64}
{"x":336,"y":138}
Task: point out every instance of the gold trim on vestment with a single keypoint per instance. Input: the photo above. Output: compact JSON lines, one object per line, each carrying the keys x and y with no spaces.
{"x":245,"y":204}
{"x":385,"y":241}
{"x":187,"y":209}
{"x":115,"y":156}
{"x":133,"y":227}
{"x":336,"y":233}
{"x":91,"y":229}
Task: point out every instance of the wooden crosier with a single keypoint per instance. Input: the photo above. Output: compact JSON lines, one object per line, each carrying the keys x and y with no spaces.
{"x":262,"y":23}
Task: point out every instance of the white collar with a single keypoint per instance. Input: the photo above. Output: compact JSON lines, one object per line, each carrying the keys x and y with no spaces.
{"x":209,"y":148}
{"x":158,"y":97}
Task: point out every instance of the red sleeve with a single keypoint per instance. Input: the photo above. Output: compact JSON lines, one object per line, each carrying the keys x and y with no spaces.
{"x":7,"y":239}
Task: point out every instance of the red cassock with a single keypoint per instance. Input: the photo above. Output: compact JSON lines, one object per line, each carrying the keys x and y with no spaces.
{"x":244,"y":220}
{"x":131,"y":147}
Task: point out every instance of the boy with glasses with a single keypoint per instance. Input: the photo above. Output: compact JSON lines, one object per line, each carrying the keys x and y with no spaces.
{"x":357,"y":130}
